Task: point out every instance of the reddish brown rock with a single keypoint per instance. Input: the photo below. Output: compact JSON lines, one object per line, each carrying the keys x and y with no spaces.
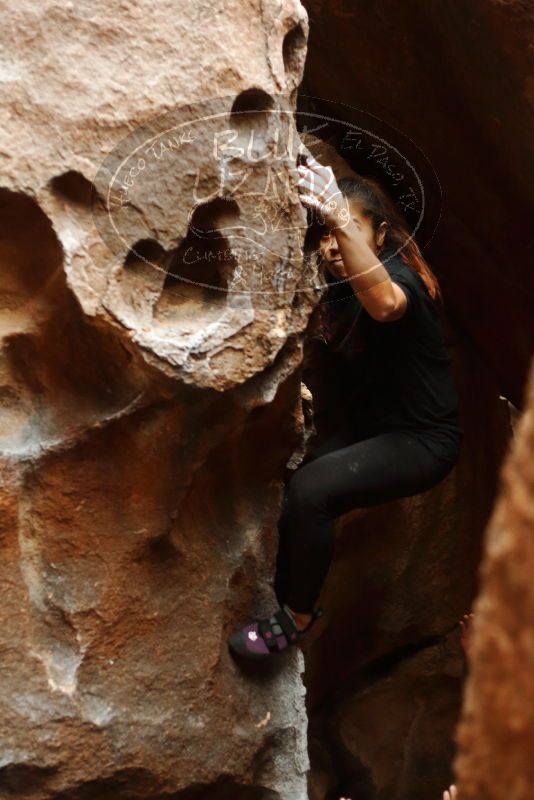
{"x":148,"y":417}
{"x":148,"y":409}
{"x":496,"y":732}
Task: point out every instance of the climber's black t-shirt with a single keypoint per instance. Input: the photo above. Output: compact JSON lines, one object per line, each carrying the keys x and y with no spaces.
{"x":397,"y":374}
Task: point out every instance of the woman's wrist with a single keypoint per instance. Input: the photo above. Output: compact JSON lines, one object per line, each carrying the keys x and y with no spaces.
{"x":363,"y":267}
{"x":338,"y":221}
{"x":347,"y":230}
{"x":351,"y":239}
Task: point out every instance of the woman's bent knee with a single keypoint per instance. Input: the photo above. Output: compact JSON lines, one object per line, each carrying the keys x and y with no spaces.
{"x":306,"y":488}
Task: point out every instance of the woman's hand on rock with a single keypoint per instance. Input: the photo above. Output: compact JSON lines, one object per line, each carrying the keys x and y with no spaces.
{"x":318,"y":190}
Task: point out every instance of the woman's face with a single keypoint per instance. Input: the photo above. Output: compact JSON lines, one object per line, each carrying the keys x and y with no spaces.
{"x":329,"y":247}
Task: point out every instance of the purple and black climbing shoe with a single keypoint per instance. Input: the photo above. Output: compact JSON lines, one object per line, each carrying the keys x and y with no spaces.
{"x":264,"y":637}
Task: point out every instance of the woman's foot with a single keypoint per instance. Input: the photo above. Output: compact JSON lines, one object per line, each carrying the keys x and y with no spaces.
{"x":264,"y":637}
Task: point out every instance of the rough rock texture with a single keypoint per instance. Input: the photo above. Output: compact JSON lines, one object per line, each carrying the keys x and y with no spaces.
{"x":151,"y":404}
{"x":450,"y":84}
{"x":146,"y":424}
{"x":496,"y":733}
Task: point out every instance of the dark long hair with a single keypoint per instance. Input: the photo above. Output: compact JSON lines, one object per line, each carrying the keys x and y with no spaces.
{"x":337,"y":319}
{"x":378,"y":207}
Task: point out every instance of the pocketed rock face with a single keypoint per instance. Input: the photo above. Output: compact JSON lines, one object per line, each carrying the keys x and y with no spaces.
{"x":146,"y":420}
{"x":496,"y":733}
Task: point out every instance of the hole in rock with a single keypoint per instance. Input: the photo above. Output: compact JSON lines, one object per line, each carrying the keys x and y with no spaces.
{"x":136,"y":784}
{"x":18,"y":779}
{"x":30,"y":252}
{"x":200,"y":268}
{"x":141,"y":278}
{"x":162,"y":549}
{"x":57,"y":370}
{"x":220,"y":215}
{"x":293,"y":49}
{"x":144,"y":262}
{"x":250,"y":105}
{"x":74,"y":188}
{"x":250,"y":116}
{"x":225,"y":789}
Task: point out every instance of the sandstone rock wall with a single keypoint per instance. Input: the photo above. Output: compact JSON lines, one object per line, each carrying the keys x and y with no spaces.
{"x":151,"y":404}
{"x":496,"y":732}
{"x":147,"y":410}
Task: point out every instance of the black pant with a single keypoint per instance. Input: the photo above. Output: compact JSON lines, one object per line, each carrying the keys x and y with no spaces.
{"x":342,"y":474}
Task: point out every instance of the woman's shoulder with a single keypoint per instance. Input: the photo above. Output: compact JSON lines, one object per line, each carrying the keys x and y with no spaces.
{"x":396,"y":266}
{"x":410,"y":281}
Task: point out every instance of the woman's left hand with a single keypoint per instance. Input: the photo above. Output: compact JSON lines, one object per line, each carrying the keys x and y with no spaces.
{"x":319,"y":190}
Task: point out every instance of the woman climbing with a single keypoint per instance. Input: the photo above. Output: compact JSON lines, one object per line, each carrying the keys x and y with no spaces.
{"x":401,"y":435}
